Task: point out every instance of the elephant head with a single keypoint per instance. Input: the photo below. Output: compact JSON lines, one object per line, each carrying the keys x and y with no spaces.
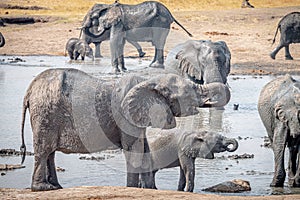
{"x":204,"y":144}
{"x":157,"y":101}
{"x":287,"y":110}
{"x":100,"y":19}
{"x":203,"y":61}
{"x":2,"y":40}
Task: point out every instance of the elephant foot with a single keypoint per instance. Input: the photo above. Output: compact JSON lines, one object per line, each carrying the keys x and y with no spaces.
{"x":272,"y":56}
{"x":44,"y":187}
{"x":289,"y":57}
{"x":142,"y":54}
{"x":116,"y":70}
{"x":277,"y":183}
{"x":294,"y":182}
{"x":124,"y":69}
{"x":157,"y":65}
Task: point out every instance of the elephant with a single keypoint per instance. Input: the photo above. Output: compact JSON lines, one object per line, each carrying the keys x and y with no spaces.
{"x":97,"y":41}
{"x":73,"y":112}
{"x":147,"y":22}
{"x":279,"y":108}
{"x":76,"y":47}
{"x":2,"y":40}
{"x":202,"y":61}
{"x":289,"y":27}
{"x":177,"y":147}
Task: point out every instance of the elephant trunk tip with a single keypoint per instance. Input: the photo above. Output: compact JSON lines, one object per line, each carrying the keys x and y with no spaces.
{"x":231,"y":145}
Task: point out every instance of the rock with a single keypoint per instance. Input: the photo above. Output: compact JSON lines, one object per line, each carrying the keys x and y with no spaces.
{"x":13,"y":152}
{"x":234,"y":186}
{"x":243,"y":156}
{"x":60,"y":169}
{"x":10,"y":167}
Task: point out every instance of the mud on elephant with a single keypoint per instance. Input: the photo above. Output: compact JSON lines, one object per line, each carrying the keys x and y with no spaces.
{"x":91,"y":20}
{"x":177,"y":147}
{"x":203,"y":61}
{"x":147,"y":22}
{"x":73,"y":112}
{"x":279,"y":110}
{"x":289,"y":27}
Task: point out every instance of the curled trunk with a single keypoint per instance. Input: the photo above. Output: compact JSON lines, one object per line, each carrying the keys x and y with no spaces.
{"x":2,"y":40}
{"x":216,"y":94}
{"x":231,"y":145}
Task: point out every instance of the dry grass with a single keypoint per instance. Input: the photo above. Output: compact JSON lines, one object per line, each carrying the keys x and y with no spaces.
{"x":76,"y":9}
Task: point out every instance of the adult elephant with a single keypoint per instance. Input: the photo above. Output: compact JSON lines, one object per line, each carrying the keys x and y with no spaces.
{"x":148,"y":22}
{"x":289,"y":27}
{"x":73,"y":112}
{"x":2,"y":40}
{"x":203,"y":61}
{"x":279,"y":110}
{"x":94,"y":23}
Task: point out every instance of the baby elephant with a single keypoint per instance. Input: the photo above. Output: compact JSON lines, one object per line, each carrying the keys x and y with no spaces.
{"x":176,"y":147}
{"x":76,"y":47}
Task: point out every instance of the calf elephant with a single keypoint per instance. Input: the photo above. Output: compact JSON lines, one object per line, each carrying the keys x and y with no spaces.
{"x":76,"y":47}
{"x":148,"y":22}
{"x":289,"y":27}
{"x":203,"y":61}
{"x":73,"y":112}
{"x":176,"y":147}
{"x":279,"y":110}
{"x":93,"y":28}
{"x":2,"y":40}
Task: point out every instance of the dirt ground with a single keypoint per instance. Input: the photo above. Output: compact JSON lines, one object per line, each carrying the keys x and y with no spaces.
{"x":247,"y":32}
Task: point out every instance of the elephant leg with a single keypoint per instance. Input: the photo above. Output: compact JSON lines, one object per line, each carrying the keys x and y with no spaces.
{"x":97,"y":50}
{"x":82,"y":57}
{"x":188,"y":166}
{"x":275,"y":51}
{"x":294,"y":166}
{"x":71,"y":55}
{"x":182,"y":180}
{"x":138,"y":160}
{"x":117,"y":42}
{"x":52,"y":177}
{"x":138,"y":47}
{"x":158,"y":61}
{"x":279,"y":142}
{"x":287,"y":53}
{"x":39,"y":177}
{"x":76,"y":55}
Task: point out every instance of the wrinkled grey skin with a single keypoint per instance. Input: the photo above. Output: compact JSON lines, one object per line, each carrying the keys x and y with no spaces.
{"x":203,"y":61}
{"x":2,"y":40}
{"x":76,"y":47}
{"x":289,"y":27}
{"x":73,"y":112}
{"x":176,"y":147}
{"x":146,"y":22}
{"x":279,"y":110}
{"x":94,"y":26}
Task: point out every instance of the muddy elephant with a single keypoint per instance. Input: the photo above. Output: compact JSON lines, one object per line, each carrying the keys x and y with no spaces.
{"x":73,"y":112}
{"x":289,"y":27}
{"x":146,"y":22}
{"x":203,"y":61}
{"x":177,"y":147}
{"x":76,"y":47}
{"x":279,"y":110}
{"x":94,"y":20}
{"x":2,"y":40}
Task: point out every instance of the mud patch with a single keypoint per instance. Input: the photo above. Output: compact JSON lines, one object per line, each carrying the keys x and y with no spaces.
{"x":8,"y":6}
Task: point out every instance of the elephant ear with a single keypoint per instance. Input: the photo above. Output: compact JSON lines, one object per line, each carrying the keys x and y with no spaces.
{"x":296,"y":92}
{"x":188,"y":60}
{"x":227,"y":54}
{"x":144,"y":106}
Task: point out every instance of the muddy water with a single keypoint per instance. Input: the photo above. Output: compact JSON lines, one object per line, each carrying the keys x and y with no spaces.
{"x":244,"y":123}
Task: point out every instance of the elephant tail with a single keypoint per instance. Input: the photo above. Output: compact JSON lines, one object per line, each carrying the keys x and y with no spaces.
{"x":183,"y":28}
{"x":276,"y":33}
{"x":23,"y":146}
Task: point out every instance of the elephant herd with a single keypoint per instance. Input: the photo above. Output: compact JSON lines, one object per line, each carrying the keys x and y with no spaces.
{"x":73,"y":112}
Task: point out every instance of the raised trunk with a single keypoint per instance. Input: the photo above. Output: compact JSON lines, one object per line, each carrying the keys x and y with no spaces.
{"x":231,"y":145}
{"x":2,"y":40}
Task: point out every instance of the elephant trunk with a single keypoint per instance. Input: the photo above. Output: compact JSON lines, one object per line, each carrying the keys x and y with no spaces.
{"x":95,"y":33}
{"x":230,"y":144}
{"x":2,"y":40}
{"x":215,"y":94}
